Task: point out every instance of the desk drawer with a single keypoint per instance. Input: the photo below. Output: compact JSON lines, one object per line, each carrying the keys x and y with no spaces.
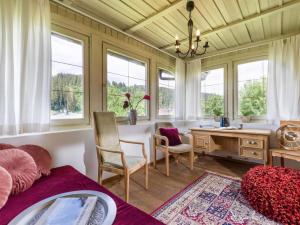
{"x":252,"y":153}
{"x":252,"y":143}
{"x":201,"y":141}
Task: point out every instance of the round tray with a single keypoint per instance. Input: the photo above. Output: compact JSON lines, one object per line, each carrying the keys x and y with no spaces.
{"x":107,"y":208}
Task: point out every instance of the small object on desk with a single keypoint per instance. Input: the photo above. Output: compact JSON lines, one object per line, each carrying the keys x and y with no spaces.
{"x":208,"y":126}
{"x":228,"y":128}
{"x":224,"y":122}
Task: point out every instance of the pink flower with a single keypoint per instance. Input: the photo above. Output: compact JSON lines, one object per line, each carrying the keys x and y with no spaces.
{"x":147,"y":97}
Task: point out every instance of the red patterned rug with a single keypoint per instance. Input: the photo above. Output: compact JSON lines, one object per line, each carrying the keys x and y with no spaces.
{"x":211,"y":199}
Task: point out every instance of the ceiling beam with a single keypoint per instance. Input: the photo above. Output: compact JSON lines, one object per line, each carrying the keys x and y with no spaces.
{"x":162,"y":12}
{"x":245,"y":46}
{"x":265,"y":13}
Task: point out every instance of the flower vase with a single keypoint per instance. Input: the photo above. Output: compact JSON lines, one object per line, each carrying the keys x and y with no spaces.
{"x":132,"y":116}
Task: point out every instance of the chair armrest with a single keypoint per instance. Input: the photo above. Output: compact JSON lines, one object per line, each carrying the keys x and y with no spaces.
{"x":136,"y":143}
{"x":109,"y":150}
{"x":114,"y":152}
{"x":160,"y":138}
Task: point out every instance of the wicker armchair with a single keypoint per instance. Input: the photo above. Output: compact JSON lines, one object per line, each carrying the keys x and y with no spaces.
{"x":185,"y":147}
{"x":111,"y":158}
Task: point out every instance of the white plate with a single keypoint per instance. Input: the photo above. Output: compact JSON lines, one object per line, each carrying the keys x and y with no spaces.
{"x":107,"y":202}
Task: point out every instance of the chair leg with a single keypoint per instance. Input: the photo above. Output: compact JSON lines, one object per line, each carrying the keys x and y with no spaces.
{"x":154,"y":160}
{"x":192,"y":160}
{"x":167,"y":164}
{"x":126,"y":179}
{"x":99,"y":175}
{"x":146,"y":175}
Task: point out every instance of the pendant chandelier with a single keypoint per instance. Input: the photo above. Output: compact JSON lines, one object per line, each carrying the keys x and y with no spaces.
{"x":192,"y":50}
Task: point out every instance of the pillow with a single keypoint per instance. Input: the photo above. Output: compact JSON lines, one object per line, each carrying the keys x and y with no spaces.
{"x":172,"y":134}
{"x":5,"y":186}
{"x":21,"y":167}
{"x":5,"y":146}
{"x":41,"y":158}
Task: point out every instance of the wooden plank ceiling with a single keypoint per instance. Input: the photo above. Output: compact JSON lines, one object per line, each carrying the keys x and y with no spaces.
{"x":224,"y":23}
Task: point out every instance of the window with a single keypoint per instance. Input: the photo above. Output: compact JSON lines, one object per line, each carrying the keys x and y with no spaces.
{"x":67,"y":81}
{"x":251,"y":87}
{"x":125,"y":74}
{"x":166,"y":93}
{"x":212,"y":92}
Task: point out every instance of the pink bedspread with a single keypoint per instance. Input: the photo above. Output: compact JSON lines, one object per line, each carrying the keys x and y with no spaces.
{"x":64,"y":179}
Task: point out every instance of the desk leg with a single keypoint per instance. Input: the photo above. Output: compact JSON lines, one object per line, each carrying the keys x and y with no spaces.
{"x":281,"y":161}
{"x":270,"y":159}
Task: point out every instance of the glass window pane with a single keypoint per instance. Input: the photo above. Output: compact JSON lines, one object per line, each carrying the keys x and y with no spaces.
{"x":212,"y":92}
{"x":137,"y":70}
{"x":66,"y":50}
{"x":125,"y":75}
{"x":252,"y":86}
{"x":117,"y":65}
{"x":166,"y":97}
{"x":67,"y":83}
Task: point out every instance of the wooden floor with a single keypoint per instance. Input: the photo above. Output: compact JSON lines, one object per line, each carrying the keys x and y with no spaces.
{"x":161,"y":187}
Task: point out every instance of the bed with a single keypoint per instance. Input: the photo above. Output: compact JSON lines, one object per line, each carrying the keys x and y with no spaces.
{"x":64,"y":179}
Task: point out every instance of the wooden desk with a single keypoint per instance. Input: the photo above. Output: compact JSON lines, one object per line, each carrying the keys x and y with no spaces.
{"x":284,"y":154}
{"x":245,"y":143}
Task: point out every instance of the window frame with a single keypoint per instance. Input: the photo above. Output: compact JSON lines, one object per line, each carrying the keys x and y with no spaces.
{"x":172,"y":72}
{"x":127,"y":54}
{"x":70,"y":34}
{"x":226,"y":94}
{"x":235,"y":86}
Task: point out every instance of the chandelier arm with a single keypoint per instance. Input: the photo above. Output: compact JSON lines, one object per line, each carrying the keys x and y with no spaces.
{"x":183,"y":55}
{"x":202,"y":52}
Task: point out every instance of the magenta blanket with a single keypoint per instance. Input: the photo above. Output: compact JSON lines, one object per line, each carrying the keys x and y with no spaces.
{"x":64,"y":179}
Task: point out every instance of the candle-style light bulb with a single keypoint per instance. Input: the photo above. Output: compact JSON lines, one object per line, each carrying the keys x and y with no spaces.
{"x":193,"y":47}
{"x":198,"y":33}
{"x":176,"y":38}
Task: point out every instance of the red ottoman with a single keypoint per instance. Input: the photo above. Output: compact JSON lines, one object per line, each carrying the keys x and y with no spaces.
{"x":274,"y":192}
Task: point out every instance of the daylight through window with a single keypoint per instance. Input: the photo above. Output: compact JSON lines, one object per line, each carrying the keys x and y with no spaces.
{"x":67,"y":83}
{"x":212,"y":92}
{"x":166,"y":97}
{"x":125,"y":75}
{"x":252,"y":86}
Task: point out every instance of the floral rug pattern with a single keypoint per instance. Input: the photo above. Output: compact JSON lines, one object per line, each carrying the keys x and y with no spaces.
{"x":210,"y":200}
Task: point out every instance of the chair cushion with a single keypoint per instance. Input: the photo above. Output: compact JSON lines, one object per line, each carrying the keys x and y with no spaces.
{"x":131,"y":161}
{"x":181,"y":148}
{"x":21,"y":167}
{"x":5,"y":187}
{"x":172,"y":134}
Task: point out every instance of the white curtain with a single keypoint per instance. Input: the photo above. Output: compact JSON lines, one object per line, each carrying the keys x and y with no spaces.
{"x":25,"y":71}
{"x":193,"y":90}
{"x":180,"y":90}
{"x":284,"y":80}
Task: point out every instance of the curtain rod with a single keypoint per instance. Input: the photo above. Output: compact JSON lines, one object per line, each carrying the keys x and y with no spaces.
{"x":111,"y":26}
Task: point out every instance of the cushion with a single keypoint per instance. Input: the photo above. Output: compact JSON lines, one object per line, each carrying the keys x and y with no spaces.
{"x":172,"y":134}
{"x":5,"y":186}
{"x":181,"y":148}
{"x":41,"y":158}
{"x":131,"y":161}
{"x":274,"y":192}
{"x":5,"y":146}
{"x":21,"y":167}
